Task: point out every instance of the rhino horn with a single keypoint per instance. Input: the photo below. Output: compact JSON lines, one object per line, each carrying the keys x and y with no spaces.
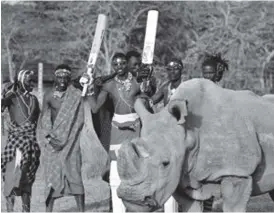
{"x":140,"y":150}
{"x":130,"y":167}
{"x":127,"y":162}
{"x":141,"y":109}
{"x":178,"y":108}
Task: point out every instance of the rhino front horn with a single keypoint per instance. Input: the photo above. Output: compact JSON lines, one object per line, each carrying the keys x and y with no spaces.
{"x":178,"y":108}
{"x":140,"y":150}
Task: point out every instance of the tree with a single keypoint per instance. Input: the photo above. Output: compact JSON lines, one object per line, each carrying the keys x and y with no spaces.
{"x":63,"y":32}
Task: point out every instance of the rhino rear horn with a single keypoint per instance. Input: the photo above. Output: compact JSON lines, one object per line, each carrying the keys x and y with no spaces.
{"x":178,"y":108}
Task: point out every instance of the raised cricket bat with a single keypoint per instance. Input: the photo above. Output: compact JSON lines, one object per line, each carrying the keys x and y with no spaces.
{"x":96,"y":44}
{"x":150,"y":37}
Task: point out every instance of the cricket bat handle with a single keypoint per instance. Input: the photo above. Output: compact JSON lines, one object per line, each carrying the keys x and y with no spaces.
{"x":85,"y":86}
{"x":84,"y":91}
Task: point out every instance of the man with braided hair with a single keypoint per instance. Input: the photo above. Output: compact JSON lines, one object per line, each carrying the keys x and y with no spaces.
{"x":20,"y":159}
{"x":213,"y":68}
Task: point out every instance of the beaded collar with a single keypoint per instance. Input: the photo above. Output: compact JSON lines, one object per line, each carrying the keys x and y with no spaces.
{"x":125,"y":84}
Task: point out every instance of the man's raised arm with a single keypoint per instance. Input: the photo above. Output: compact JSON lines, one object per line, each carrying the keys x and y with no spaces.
{"x":96,"y":103}
{"x":158,"y":96}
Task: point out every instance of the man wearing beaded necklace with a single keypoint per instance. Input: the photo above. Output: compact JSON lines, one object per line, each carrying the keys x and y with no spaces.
{"x":61,"y":122}
{"x":176,"y":75}
{"x":122,"y":90}
{"x":20,"y":159}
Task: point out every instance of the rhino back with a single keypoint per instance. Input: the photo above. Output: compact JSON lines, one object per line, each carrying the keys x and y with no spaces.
{"x":228,"y":123}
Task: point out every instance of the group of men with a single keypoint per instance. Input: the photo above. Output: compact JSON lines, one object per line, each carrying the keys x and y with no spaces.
{"x":61,"y":121}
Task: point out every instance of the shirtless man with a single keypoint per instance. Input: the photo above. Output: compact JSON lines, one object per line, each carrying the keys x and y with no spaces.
{"x":24,"y":113}
{"x":61,"y":121}
{"x":123,"y":90}
{"x":176,"y":75}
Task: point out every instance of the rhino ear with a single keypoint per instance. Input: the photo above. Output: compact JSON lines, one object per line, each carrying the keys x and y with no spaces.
{"x":178,"y":108}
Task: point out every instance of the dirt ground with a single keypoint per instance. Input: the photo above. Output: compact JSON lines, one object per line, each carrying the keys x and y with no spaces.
{"x":261,"y":203}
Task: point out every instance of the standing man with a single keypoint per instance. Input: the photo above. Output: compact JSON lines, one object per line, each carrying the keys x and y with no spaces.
{"x":176,"y":75}
{"x":20,"y":159}
{"x":61,"y":122}
{"x":213,"y":68}
{"x":122,"y":90}
{"x":134,"y":62}
{"x":141,"y":73}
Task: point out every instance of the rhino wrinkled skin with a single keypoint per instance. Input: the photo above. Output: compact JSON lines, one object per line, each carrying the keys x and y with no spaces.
{"x":208,"y":141}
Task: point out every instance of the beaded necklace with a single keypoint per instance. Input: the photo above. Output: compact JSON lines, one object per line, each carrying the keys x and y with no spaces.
{"x":28,"y":106}
{"x":124,"y":85}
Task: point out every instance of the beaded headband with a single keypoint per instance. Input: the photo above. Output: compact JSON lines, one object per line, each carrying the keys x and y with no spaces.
{"x":62,"y":72}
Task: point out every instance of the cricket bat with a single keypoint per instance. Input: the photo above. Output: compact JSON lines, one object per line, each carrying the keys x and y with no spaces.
{"x":95,"y":48}
{"x":149,"y":44}
{"x":150,"y":37}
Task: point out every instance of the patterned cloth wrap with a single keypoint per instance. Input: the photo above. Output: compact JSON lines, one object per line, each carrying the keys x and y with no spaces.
{"x":64,"y":165}
{"x":22,"y":138}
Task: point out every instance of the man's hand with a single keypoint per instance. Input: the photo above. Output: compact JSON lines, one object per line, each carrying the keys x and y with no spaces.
{"x":55,"y":143}
{"x":86,"y":79}
{"x":149,"y":86}
{"x":10,"y":91}
{"x":144,"y":72}
{"x":98,"y":81}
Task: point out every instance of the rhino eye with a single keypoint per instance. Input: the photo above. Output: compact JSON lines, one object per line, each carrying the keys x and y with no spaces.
{"x":165,"y":163}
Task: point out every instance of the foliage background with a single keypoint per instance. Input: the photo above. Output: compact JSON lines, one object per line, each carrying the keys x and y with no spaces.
{"x":62,"y":32}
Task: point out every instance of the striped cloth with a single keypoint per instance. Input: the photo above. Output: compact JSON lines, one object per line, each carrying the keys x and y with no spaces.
{"x":208,"y":204}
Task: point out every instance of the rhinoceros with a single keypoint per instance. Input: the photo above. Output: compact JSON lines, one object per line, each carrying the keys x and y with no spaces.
{"x":208,"y":141}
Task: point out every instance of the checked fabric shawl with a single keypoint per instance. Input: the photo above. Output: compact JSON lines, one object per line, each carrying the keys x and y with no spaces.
{"x":58,"y":165}
{"x":22,"y":138}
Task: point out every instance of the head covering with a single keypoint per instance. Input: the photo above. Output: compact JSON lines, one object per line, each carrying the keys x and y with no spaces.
{"x":63,"y":70}
{"x":175,"y":63}
{"x":22,"y":75}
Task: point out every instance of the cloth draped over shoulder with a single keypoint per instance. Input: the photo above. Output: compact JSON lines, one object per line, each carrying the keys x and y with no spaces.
{"x":62,"y":166}
{"x":23,"y":138}
{"x":74,"y":129}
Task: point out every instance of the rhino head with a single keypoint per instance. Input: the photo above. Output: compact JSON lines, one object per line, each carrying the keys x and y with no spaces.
{"x":150,"y":167}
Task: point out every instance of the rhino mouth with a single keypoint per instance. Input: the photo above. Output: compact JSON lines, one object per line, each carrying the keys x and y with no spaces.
{"x":149,"y":204}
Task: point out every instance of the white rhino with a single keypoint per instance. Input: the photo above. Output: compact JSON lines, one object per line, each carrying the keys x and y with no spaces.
{"x":208,"y":141}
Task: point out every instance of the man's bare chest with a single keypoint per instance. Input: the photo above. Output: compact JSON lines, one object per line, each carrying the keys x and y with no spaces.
{"x":23,"y":108}
{"x":55,"y":103}
{"x":117,"y":90}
